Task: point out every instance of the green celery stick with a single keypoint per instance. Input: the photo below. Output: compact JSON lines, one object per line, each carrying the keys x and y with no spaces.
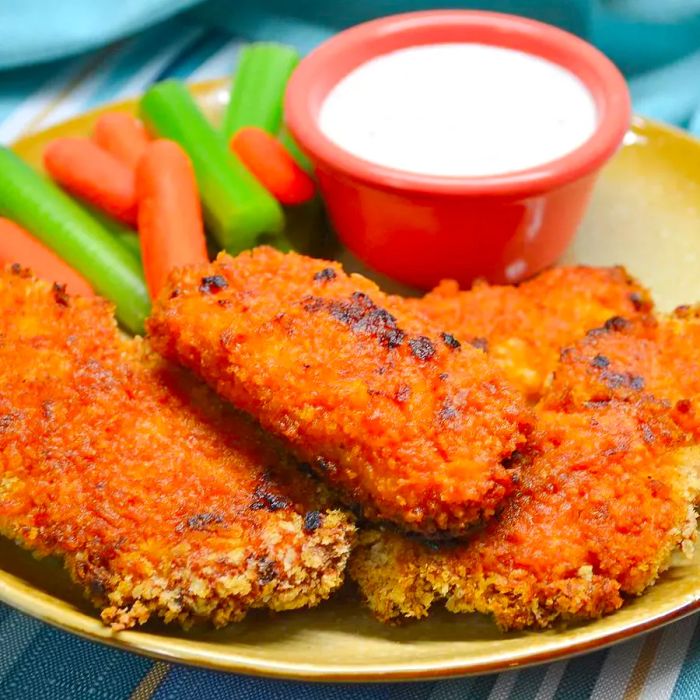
{"x":237,"y":208}
{"x":291,"y":145}
{"x":257,"y":88}
{"x":35,"y":203}
{"x":129,"y":240}
{"x":126,"y":236}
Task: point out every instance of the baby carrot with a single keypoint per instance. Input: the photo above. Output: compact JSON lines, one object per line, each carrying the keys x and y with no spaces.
{"x":257,"y":90}
{"x":272,"y":164}
{"x":89,"y":172}
{"x":121,"y":135}
{"x":170,"y":217}
{"x":19,"y":246}
{"x":59,"y":222}
{"x":237,"y":208}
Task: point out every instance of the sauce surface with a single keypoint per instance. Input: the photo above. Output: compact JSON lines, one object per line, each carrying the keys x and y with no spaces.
{"x":460,"y":109}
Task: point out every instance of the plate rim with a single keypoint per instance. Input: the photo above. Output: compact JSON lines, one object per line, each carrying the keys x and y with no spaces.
{"x":21,"y":596}
{"x":54,"y":611}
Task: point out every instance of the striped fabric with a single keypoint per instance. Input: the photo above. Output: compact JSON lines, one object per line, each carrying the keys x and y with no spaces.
{"x":38,"y":662}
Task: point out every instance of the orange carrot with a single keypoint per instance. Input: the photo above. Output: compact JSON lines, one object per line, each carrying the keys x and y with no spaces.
{"x":121,"y":135}
{"x":170,"y":215}
{"x":272,"y":165}
{"x":18,"y":246}
{"x":89,"y":172}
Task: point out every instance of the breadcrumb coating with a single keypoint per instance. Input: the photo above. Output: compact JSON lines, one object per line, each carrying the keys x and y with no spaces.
{"x":404,"y":421}
{"x":160,"y":500}
{"x":605,"y":498}
{"x":523,"y":328}
{"x":624,"y":359}
{"x":606,"y":491}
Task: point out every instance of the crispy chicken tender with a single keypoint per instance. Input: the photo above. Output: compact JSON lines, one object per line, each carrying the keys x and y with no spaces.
{"x":605,"y":498}
{"x":624,"y":359}
{"x":523,"y":328}
{"x":392,"y":412}
{"x":160,"y":500}
{"x":606,"y":495}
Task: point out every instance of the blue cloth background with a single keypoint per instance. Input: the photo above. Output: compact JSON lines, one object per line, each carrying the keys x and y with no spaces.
{"x":656,"y":43}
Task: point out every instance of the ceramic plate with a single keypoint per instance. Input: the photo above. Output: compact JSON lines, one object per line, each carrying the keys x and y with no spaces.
{"x":646,"y":215}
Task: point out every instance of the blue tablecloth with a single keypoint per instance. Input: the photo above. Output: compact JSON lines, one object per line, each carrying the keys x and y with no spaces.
{"x":37,"y":662}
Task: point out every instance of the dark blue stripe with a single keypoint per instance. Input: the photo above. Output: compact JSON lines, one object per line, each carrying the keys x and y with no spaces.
{"x":688,"y":683}
{"x":4,"y":613}
{"x":482,"y":686}
{"x":528,"y":682}
{"x":183,"y":682}
{"x":580,"y":676}
{"x":59,"y":665}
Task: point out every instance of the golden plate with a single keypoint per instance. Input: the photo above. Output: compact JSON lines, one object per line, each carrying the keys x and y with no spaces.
{"x":646,"y":215}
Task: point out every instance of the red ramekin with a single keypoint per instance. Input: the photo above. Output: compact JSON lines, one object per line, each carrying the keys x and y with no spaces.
{"x":420,"y":229}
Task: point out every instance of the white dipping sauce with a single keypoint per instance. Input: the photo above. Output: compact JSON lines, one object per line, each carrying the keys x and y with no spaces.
{"x":459,"y":109}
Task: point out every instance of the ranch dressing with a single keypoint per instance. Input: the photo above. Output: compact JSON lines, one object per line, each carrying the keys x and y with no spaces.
{"x":459,"y":109}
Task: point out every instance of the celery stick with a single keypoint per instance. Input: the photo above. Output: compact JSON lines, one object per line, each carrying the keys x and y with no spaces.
{"x":35,"y":203}
{"x":257,"y":89}
{"x":237,"y":209}
{"x":129,"y":240}
{"x":291,"y":145}
{"x":126,"y":236}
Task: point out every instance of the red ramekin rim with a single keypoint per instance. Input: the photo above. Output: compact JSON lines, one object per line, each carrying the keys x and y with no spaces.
{"x":317,"y":74}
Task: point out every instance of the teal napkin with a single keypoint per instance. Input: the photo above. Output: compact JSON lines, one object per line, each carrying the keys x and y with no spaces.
{"x":656,"y":43}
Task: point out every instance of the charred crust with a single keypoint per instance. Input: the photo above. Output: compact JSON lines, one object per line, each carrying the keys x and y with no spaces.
{"x":97,"y":588}
{"x":324,"y":465}
{"x":361,"y":315}
{"x":616,"y":323}
{"x":597,"y":403}
{"x":59,"y":294}
{"x":213,"y":284}
{"x":447,"y":412}
{"x":600,"y":361}
{"x":312,"y":304}
{"x":422,"y":348}
{"x":6,"y":421}
{"x":325,"y":275}
{"x":305,"y":468}
{"x":312,"y":521}
{"x":200,"y":521}
{"x":268,"y":501}
{"x":174,"y":294}
{"x":450,"y":341}
{"x":637,"y":382}
{"x":267,"y":571}
{"x":403,"y":393}
{"x":513,"y":460}
{"x":15,"y":268}
{"x":616,"y":380}
{"x":639,"y":301}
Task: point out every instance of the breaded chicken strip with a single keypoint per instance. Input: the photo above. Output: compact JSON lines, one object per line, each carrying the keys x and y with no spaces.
{"x":604,"y":500}
{"x":523,"y":328}
{"x":160,"y":500}
{"x":394,"y":413}
{"x":624,"y":359}
{"x":609,"y":488}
